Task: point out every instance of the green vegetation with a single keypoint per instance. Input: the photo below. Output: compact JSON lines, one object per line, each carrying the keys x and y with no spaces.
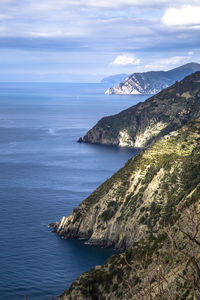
{"x":151,"y":203}
{"x":150,"y":209}
{"x":162,"y":266}
{"x":146,"y":122}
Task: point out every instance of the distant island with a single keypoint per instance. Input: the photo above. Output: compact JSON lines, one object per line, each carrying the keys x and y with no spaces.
{"x":152,"y":82}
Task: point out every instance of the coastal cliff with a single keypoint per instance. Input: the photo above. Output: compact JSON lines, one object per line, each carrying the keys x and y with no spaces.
{"x":142,"y":124}
{"x":140,"y":195}
{"x":152,"y":207}
{"x":152,"y":82}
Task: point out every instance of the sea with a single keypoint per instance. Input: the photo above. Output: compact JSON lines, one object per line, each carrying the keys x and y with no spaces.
{"x":44,"y":175}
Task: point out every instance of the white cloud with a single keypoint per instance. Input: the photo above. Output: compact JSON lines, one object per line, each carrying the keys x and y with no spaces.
{"x":190,"y":53}
{"x":54,"y":33}
{"x":166,"y":62}
{"x":46,"y":34}
{"x":126,"y":60}
{"x":172,"y":60}
{"x":62,"y":4}
{"x":4,"y":17}
{"x":185,"y":16}
{"x":120,"y":3}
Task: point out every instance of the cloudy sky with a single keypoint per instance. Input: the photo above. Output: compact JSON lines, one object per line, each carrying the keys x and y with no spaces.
{"x":86,"y":40}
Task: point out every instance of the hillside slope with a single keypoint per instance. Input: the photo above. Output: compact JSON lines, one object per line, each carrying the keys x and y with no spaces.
{"x":139,"y":195}
{"x":152,"y":206}
{"x":144,"y":123}
{"x":154,"y":81}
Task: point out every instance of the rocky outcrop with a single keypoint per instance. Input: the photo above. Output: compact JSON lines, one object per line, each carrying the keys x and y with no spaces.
{"x":140,"y":195}
{"x":141,"y":83}
{"x":152,"y":82}
{"x":142,"y":124}
{"x":150,"y":209}
{"x":148,"y":206}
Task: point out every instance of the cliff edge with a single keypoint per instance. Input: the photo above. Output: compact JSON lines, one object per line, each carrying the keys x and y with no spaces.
{"x":152,"y":82}
{"x":142,"y":124}
{"x":151,"y":207}
{"x":140,"y":195}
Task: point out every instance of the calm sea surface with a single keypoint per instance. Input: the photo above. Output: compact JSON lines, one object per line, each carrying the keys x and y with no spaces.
{"x":44,"y":174}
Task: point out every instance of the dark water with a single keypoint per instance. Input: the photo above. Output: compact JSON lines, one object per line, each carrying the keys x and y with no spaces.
{"x":44,"y":174}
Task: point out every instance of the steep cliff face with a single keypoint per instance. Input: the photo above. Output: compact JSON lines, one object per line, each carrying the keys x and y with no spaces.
{"x":152,"y":205}
{"x":144,"y":123}
{"x":141,"y":194}
{"x":142,"y":83}
{"x":152,"y":82}
{"x":166,"y":265}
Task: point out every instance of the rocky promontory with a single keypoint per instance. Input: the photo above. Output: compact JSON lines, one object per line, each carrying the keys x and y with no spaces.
{"x":142,"y":124}
{"x":140,"y":195}
{"x":151,"y":207}
{"x":152,"y":82}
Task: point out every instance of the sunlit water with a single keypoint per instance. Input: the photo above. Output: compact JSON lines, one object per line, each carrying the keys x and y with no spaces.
{"x":44,"y":174}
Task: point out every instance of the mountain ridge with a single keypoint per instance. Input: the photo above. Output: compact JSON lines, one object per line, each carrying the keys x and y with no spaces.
{"x":150,"y":210}
{"x":146,"y":208}
{"x":115,"y":79}
{"x":152,"y":82}
{"x":107,"y":217}
{"x":141,"y":125}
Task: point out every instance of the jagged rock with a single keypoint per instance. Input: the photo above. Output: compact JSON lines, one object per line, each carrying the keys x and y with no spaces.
{"x":80,"y":140}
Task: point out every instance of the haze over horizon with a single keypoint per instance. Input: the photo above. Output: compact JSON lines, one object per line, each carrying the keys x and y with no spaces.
{"x":84,"y":41}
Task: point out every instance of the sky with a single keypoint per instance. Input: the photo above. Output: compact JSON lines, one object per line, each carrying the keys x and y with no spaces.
{"x":87,"y":40}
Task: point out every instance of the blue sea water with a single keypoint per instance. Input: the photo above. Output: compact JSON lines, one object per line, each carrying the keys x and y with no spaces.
{"x":44,"y":174}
